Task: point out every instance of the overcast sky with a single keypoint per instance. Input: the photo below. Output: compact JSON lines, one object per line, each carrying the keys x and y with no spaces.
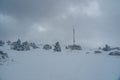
{"x":97,"y":22}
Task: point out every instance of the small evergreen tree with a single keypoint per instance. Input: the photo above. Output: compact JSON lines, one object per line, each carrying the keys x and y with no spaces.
{"x":57,"y":47}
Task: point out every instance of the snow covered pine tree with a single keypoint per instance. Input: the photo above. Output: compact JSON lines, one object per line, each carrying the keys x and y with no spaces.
{"x":57,"y":47}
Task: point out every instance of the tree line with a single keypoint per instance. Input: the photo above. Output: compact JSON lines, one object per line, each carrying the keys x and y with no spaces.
{"x":26,"y":46}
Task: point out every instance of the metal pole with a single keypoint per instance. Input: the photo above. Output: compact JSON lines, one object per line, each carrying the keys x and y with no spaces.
{"x":73,"y":36}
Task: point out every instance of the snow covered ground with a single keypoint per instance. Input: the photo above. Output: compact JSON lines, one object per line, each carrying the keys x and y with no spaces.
{"x":48,"y":65}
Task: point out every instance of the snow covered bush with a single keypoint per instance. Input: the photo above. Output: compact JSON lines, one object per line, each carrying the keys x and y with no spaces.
{"x":107,"y":48}
{"x":33,"y":45}
{"x":17,"y":45}
{"x":115,"y":53}
{"x":8,"y":42}
{"x":1,"y":43}
{"x":57,"y":47}
{"x":47,"y":47}
{"x":74,"y":47}
{"x":26,"y":46}
{"x":3,"y":57}
{"x":97,"y":52}
{"x":22,"y":46}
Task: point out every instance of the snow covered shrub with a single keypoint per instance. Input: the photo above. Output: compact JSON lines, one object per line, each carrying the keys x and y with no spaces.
{"x":1,"y":43}
{"x":22,"y":46}
{"x":17,"y":45}
{"x":107,"y":48}
{"x":8,"y":42}
{"x":25,"y":46}
{"x":47,"y":47}
{"x":57,"y":47}
{"x":97,"y":52}
{"x":115,"y":53}
{"x":3,"y":57}
{"x":74,"y":47}
{"x":33,"y":45}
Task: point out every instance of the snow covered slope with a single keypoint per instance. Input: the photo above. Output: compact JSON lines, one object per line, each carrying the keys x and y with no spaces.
{"x":48,"y":65}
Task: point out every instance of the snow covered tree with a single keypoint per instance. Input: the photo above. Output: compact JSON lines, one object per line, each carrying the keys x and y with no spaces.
{"x":1,"y":43}
{"x":8,"y":42}
{"x":107,"y":48}
{"x":33,"y":45}
{"x":57,"y":47}
{"x":17,"y":45}
{"x":20,"y":46}
{"x":47,"y":47}
{"x":26,"y":46}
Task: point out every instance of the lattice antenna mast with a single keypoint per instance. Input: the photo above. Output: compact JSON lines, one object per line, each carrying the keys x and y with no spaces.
{"x":73,"y":36}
